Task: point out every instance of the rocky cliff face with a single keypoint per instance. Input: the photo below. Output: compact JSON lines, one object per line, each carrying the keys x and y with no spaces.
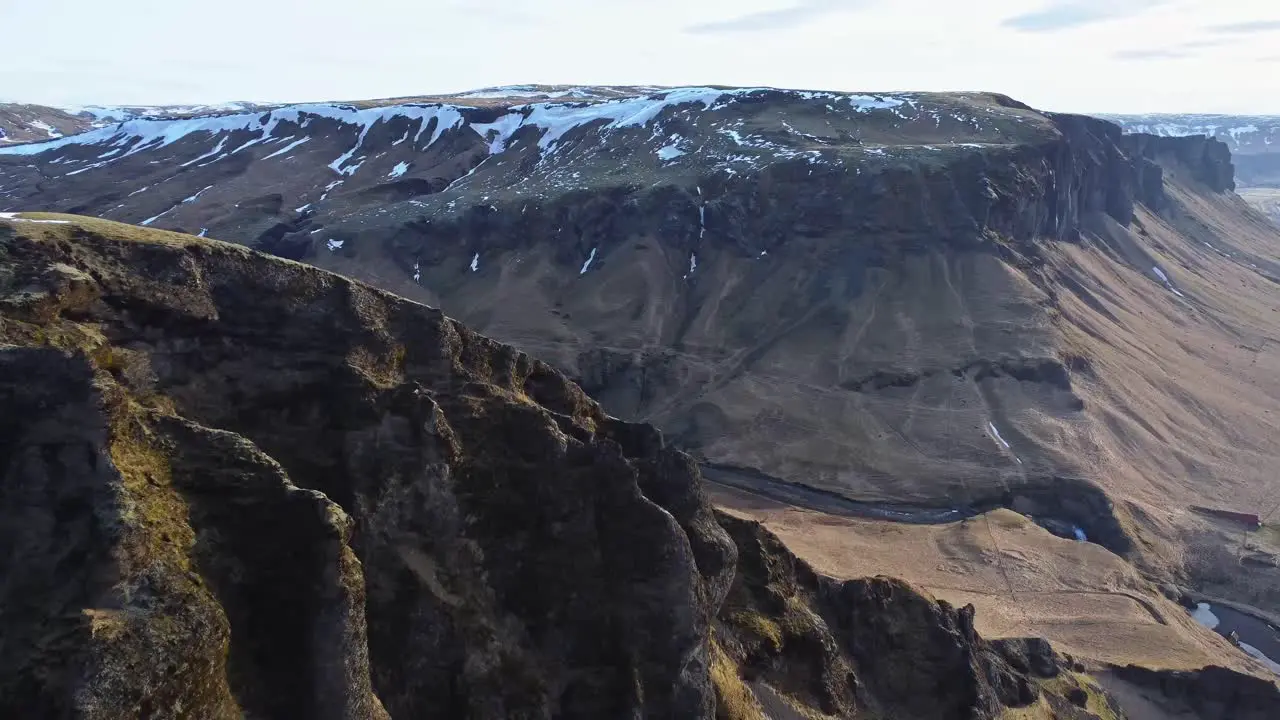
{"x":1211,"y":692}
{"x":878,"y":648}
{"x":237,"y":487}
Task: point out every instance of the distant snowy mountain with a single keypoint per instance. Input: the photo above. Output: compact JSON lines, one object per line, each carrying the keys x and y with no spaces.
{"x":25,"y":123}
{"x":102,"y":115}
{"x":34,"y":123}
{"x":1254,"y":140}
{"x":1241,"y":133}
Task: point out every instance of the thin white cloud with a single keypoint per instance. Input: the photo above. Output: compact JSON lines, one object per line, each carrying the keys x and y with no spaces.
{"x":1247,"y":28}
{"x":1157,"y":54}
{"x":1065,"y":14}
{"x":1178,"y":51}
{"x":783,"y":18}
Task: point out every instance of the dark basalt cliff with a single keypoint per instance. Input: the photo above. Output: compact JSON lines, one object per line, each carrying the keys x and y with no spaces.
{"x":238,"y":487}
{"x":1213,"y":692}
{"x":878,"y":648}
{"x":242,"y":487}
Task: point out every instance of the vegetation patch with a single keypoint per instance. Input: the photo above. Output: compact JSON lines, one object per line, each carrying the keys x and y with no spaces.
{"x":757,"y":624}
{"x":734,"y":700}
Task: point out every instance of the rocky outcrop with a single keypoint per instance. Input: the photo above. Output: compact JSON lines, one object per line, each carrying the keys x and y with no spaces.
{"x":875,"y":647}
{"x":1213,"y":692}
{"x":1207,"y":159}
{"x":243,"y":487}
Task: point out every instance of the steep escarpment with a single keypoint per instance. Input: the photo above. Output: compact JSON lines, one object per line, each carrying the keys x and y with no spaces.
{"x":242,"y":487}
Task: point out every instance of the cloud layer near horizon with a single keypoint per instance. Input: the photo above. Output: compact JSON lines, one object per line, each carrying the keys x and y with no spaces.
{"x":1075,"y":55}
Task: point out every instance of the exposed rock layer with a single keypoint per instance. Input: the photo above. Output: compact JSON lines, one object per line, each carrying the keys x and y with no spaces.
{"x":443,"y":527}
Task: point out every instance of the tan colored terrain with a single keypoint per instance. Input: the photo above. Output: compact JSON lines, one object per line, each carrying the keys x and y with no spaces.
{"x":1266,"y":199}
{"x":1180,"y":400}
{"x":1185,"y":391}
{"x":1022,"y":580}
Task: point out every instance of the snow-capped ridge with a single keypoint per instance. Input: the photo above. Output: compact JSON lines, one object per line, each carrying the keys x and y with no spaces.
{"x":554,"y":118}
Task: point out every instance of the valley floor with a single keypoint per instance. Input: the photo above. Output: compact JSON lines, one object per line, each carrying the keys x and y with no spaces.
{"x":1265,"y":199}
{"x":1022,"y":580}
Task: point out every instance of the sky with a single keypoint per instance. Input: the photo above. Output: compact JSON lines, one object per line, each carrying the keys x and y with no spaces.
{"x":1065,"y":55}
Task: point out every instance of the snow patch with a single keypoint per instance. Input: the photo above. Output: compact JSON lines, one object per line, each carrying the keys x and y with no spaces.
{"x":195,"y":197}
{"x":501,"y":131}
{"x":302,"y":209}
{"x":587,"y":264}
{"x":48,"y":129}
{"x":1165,"y":279}
{"x":203,"y":231}
{"x":670,"y":152}
{"x":334,"y":245}
{"x":154,"y":218}
{"x":398,"y":170}
{"x":475,"y":262}
{"x":185,"y":201}
{"x":13,"y":217}
{"x":995,"y":433}
{"x":1079,"y":533}
{"x":287,"y":148}
{"x":331,"y":186}
{"x":555,"y":120}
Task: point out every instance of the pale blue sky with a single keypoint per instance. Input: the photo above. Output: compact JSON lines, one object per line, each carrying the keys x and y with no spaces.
{"x":1078,"y":55}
